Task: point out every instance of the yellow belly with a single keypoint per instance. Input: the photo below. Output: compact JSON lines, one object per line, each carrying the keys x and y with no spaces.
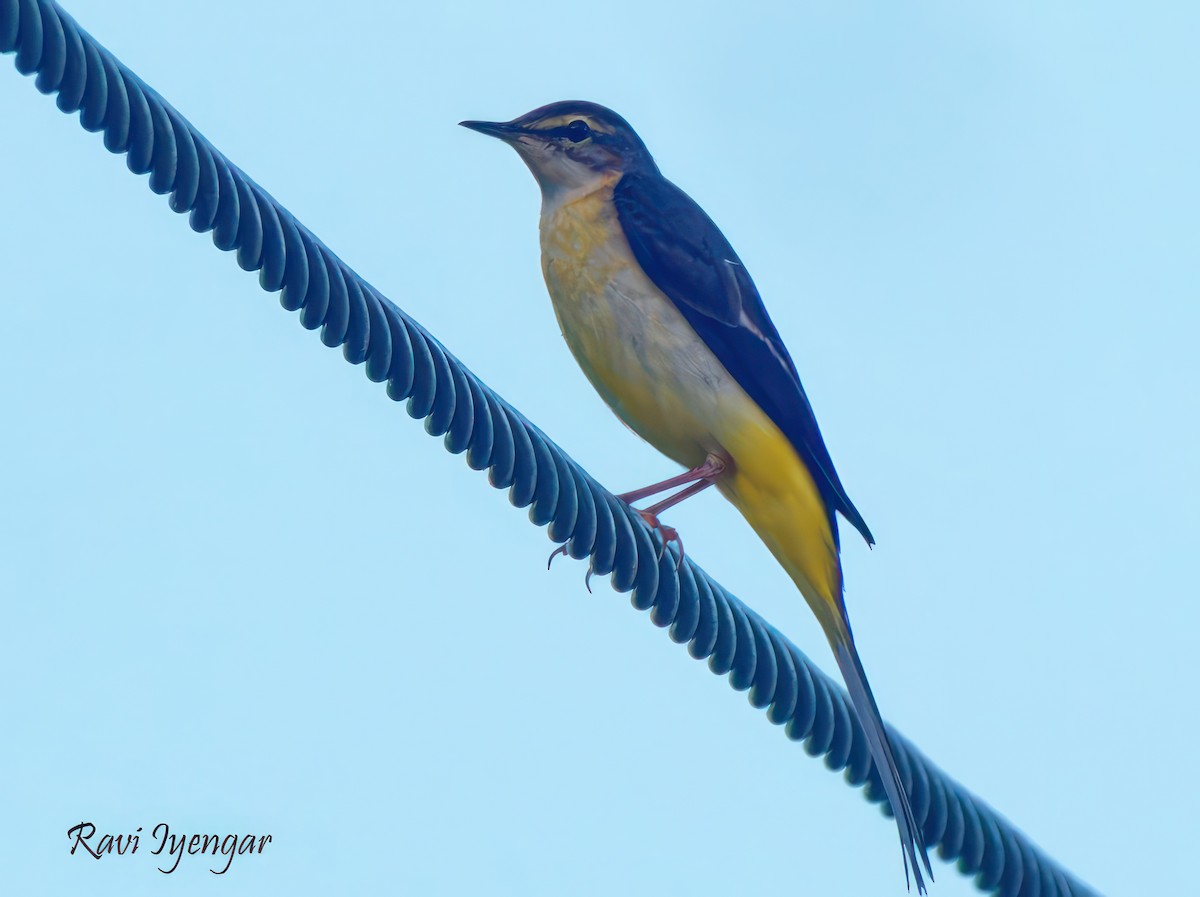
{"x":655,"y":372}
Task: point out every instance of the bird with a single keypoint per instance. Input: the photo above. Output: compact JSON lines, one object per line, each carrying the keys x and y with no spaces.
{"x":668,"y":326}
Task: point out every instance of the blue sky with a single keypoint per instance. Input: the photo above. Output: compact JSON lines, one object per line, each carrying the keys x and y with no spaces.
{"x":244,"y":592}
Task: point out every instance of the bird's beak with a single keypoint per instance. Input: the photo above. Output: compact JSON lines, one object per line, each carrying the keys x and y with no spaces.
{"x":505,"y":130}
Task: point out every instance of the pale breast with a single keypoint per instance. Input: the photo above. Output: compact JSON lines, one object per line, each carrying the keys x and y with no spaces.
{"x":635,"y":347}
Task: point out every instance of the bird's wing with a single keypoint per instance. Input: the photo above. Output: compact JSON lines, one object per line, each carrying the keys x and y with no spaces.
{"x":687,"y":257}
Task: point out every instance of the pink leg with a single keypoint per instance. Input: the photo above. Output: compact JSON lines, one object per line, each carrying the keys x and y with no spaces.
{"x":709,"y":470}
{"x":696,"y":480}
{"x":672,"y":500}
{"x":650,"y":515}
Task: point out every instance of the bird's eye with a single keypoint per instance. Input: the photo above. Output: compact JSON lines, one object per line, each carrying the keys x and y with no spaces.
{"x":578,"y":131}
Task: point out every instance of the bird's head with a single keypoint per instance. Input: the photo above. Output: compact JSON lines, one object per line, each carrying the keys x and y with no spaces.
{"x":570,"y":144}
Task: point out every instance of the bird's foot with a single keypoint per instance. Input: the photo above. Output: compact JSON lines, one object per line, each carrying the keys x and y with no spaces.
{"x":667,"y":534}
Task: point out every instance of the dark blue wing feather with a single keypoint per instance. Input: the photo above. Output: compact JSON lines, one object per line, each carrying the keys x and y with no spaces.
{"x":688,"y":258}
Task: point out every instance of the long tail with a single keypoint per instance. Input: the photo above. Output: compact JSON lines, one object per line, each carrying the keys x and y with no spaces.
{"x":777,"y":495}
{"x":912,"y":844}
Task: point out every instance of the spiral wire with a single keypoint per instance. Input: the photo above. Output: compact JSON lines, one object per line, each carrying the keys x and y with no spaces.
{"x":472,"y":419}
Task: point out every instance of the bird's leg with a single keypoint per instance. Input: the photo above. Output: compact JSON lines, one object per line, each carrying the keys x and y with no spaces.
{"x":672,"y":500}
{"x":650,"y":515}
{"x":695,"y":481}
{"x":669,"y":533}
{"x":712,"y":468}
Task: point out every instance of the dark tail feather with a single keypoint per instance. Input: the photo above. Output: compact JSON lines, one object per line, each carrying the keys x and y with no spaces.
{"x":911,"y":842}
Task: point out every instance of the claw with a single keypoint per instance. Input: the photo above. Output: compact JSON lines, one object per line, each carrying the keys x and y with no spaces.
{"x":679,"y":560}
{"x":666,"y":534}
{"x":561,"y":549}
{"x":587,"y":580}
